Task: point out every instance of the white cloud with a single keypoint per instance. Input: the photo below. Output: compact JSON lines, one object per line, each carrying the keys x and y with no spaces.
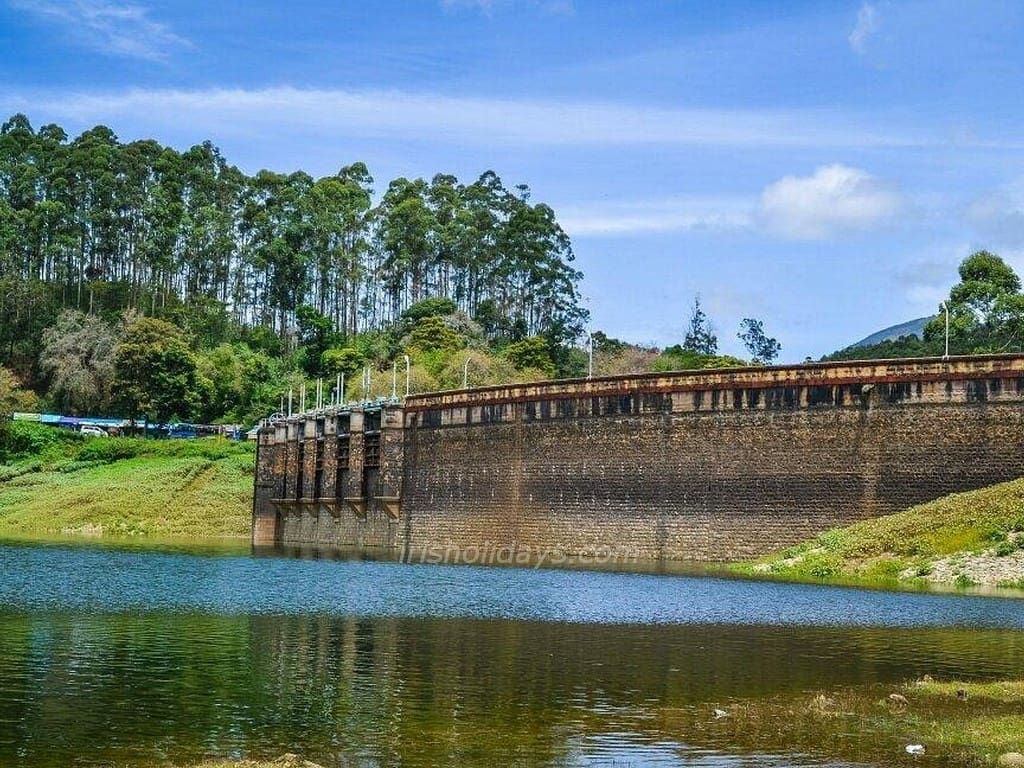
{"x":867,"y":25}
{"x":835,"y":199}
{"x":453,"y":119}
{"x":114,"y":28}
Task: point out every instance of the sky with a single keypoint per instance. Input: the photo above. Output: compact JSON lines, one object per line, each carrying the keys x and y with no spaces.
{"x":821,"y":166}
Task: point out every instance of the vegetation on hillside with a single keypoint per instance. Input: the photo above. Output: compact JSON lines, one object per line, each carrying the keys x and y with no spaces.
{"x":137,"y":280}
{"x":986,"y":314}
{"x":57,"y":483}
{"x":962,"y":539}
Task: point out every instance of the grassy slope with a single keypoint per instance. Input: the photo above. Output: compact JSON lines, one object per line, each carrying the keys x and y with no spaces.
{"x":110,"y":486}
{"x":946,"y":537}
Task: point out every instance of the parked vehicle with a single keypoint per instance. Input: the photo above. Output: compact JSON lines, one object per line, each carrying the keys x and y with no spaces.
{"x":89,"y":431}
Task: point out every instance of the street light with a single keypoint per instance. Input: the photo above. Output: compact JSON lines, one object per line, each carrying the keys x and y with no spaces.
{"x":945,"y":305}
{"x":406,"y":375}
{"x":590,"y":355}
{"x":465,"y":373}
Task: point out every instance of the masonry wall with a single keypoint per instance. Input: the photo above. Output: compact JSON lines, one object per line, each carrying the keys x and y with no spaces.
{"x":704,"y":474}
{"x":703,"y":466}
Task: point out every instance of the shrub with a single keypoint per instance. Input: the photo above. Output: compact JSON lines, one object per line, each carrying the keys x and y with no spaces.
{"x":26,"y":438}
{"x":962,"y":581}
{"x":1007,"y":547}
{"x":110,"y":449}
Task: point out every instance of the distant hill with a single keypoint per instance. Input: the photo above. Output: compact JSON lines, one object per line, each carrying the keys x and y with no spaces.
{"x":893,"y":332}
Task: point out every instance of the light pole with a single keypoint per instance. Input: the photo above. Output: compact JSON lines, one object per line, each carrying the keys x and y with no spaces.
{"x":406,"y":375}
{"x":945,"y":305}
{"x":590,"y":340}
{"x":590,"y":355}
{"x":465,"y":373}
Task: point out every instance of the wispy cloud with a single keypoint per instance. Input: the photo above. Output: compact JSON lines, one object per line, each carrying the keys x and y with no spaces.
{"x":553,"y":7}
{"x":833,"y":200}
{"x":710,"y":215}
{"x":466,"y":120}
{"x":117,"y":29}
{"x":867,"y":25}
{"x":998,"y":217}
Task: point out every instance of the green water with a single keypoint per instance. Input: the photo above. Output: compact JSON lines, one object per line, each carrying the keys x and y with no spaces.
{"x":134,"y":659}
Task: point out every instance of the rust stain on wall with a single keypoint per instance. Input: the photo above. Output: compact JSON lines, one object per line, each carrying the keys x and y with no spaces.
{"x":704,"y":465}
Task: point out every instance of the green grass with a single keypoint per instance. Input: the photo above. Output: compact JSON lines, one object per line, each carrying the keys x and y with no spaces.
{"x":865,"y":723}
{"x":878,"y":551}
{"x":63,"y":485}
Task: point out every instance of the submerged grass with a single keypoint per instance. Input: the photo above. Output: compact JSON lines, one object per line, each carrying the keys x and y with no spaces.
{"x":965,"y":724}
{"x":63,"y":485}
{"x":968,"y":724}
{"x":958,"y":539}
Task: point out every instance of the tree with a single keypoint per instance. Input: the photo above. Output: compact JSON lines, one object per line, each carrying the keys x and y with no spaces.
{"x":344,"y":360}
{"x":78,"y":356}
{"x":433,"y":334}
{"x":530,"y":353}
{"x":316,"y":334}
{"x":155,"y":372}
{"x":14,"y":397}
{"x":761,"y":347}
{"x":986,"y":309}
{"x":700,"y":337}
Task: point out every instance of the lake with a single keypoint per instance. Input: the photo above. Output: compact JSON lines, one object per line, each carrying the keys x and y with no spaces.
{"x":129,"y":658}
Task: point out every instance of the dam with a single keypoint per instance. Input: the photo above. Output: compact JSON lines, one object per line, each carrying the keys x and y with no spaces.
{"x":690,"y":465}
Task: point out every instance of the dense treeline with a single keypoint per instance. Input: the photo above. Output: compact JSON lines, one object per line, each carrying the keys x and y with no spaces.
{"x":138,"y":280}
{"x":110,"y":226}
{"x":107,"y":232}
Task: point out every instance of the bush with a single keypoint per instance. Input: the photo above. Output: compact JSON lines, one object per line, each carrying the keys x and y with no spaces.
{"x":111,"y":449}
{"x":26,"y":438}
{"x":1005,"y":548}
{"x":963,"y":581}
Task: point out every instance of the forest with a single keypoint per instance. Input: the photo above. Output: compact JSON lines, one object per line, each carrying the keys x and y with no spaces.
{"x":139,"y":280}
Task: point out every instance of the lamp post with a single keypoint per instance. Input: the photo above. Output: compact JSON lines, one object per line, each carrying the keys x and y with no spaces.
{"x":945,"y":305}
{"x":590,"y":340}
{"x":406,"y":375}
{"x":590,"y":355}
{"x":465,"y":373}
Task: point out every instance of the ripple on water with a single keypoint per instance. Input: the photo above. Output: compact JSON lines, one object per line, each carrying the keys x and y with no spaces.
{"x":133,"y":659}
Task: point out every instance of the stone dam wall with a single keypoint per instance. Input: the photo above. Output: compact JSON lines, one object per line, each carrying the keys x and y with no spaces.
{"x":704,"y":465}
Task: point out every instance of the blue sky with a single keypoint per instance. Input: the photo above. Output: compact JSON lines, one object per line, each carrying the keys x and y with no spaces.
{"x":823,"y":166}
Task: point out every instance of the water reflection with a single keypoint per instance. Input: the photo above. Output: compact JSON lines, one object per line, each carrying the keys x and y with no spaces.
{"x":134,"y":690}
{"x":132,"y":660}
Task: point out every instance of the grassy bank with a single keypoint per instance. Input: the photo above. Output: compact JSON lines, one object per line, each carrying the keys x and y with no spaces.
{"x":966,"y":723}
{"x":55,"y":483}
{"x":966,"y":539}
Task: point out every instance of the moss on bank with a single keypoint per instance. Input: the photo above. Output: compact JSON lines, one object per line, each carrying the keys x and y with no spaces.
{"x":964,"y":539}
{"x":59,"y":484}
